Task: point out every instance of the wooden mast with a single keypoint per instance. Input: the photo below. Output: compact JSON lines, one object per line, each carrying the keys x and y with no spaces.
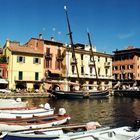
{"x":71,"y":42}
{"x":92,"y":54}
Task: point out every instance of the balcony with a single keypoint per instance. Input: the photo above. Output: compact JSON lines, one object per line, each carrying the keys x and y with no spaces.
{"x":48,"y":56}
{"x":59,"y":57}
{"x":107,"y":64}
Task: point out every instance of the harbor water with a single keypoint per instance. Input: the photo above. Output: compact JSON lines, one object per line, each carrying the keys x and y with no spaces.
{"x":112,"y":111}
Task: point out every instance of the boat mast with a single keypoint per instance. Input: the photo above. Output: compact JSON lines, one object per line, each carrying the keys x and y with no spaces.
{"x":71,"y":41}
{"x":92,"y":54}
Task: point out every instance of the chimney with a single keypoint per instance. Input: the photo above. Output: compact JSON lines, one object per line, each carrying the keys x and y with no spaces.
{"x":7,"y":42}
{"x":40,"y":36}
{"x":52,"y":38}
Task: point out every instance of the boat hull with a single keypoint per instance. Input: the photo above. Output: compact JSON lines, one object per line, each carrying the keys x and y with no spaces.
{"x":33,"y":123}
{"x":80,"y":94}
{"x":68,"y":95}
{"x":99,"y":94}
{"x":127,"y":93}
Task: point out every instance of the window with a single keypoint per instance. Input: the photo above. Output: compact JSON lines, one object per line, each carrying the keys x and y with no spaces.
{"x":90,"y":70}
{"x":122,"y":67}
{"x":98,"y":71}
{"x":21,"y":59}
{"x":106,"y":71}
{"x":129,"y":66}
{"x":116,"y":76}
{"x":47,"y":50}
{"x":1,"y":72}
{"x":82,"y":56}
{"x":58,"y":65}
{"x":36,"y":61}
{"x":48,"y":63}
{"x":20,"y":75}
{"x":73,"y":68}
{"x":36,"y":76}
{"x":82,"y":70}
{"x":115,"y":68}
{"x":130,"y":75}
{"x":98,"y":58}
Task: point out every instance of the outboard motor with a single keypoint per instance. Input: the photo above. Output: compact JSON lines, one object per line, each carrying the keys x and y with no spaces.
{"x":136,"y":125}
{"x":47,"y":106}
{"x":18,"y":99}
{"x":62,"y":111}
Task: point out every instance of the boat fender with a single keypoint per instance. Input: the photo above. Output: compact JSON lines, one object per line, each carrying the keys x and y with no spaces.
{"x":92,"y":125}
{"x":47,"y":106}
{"x":62,"y":111}
{"x":18,"y":99}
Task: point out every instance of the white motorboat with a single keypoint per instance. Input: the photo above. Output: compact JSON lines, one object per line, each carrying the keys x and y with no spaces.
{"x":27,"y":112}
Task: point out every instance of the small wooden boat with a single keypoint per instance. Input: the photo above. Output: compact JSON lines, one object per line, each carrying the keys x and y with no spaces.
{"x":26,"y":112}
{"x":32,"y":123}
{"x":12,"y":103}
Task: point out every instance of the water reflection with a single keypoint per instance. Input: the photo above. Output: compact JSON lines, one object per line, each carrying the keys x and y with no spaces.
{"x":114,"y":111}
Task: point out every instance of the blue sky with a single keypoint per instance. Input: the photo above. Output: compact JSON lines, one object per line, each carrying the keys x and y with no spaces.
{"x":113,"y":24}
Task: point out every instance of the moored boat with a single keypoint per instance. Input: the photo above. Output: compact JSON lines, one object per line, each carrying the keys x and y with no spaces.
{"x":82,"y":132}
{"x":80,"y":94}
{"x":54,"y":133}
{"x":26,"y":112}
{"x":12,"y":103}
{"x":34,"y":122}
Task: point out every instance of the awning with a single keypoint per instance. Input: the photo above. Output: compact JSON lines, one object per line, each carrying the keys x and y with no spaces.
{"x":3,"y":81}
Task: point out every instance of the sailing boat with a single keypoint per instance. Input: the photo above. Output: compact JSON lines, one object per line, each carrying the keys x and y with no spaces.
{"x":80,"y":94}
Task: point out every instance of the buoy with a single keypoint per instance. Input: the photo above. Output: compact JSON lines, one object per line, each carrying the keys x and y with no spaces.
{"x":62,"y":111}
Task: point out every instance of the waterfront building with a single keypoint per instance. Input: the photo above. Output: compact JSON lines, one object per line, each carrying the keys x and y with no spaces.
{"x":126,"y":65}
{"x":53,"y":62}
{"x":54,"y":65}
{"x":48,"y":64}
{"x":24,"y":65}
{"x":86,"y":68}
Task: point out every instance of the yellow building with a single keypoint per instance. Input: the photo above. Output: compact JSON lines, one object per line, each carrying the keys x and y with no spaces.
{"x":86,"y":68}
{"x":25,"y":66}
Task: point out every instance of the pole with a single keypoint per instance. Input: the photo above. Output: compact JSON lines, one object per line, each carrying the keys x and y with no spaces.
{"x":92,"y":55}
{"x":71,"y":41}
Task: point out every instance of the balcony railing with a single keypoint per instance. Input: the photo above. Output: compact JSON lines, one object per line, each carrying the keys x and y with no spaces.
{"x":48,"y":56}
{"x":59,"y":57}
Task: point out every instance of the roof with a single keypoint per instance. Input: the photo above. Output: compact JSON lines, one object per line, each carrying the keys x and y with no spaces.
{"x":24,"y":49}
{"x":130,"y":49}
{"x":49,"y":41}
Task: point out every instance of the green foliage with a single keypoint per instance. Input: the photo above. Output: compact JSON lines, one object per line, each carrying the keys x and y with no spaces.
{"x":3,"y":59}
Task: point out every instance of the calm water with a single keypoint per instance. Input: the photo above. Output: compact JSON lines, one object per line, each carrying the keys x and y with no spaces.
{"x":114,"y":111}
